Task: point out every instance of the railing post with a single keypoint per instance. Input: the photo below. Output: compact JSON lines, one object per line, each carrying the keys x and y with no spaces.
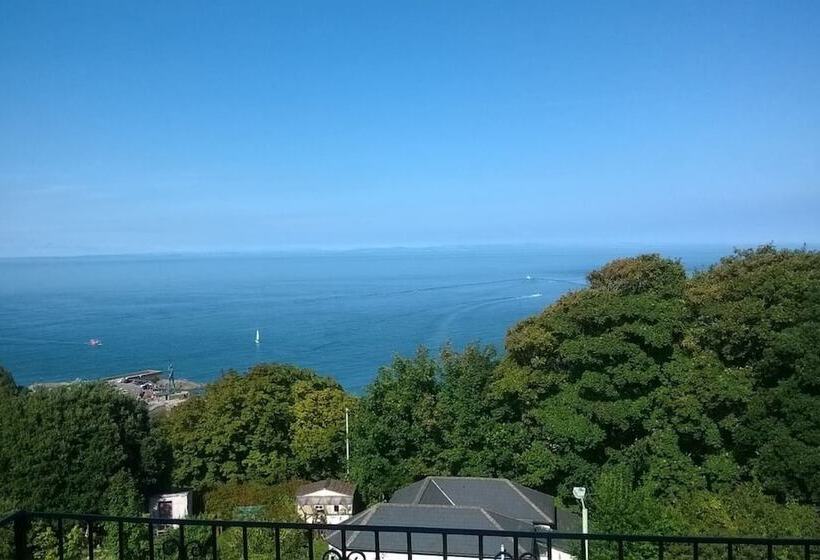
{"x":120,"y":541}
{"x":244,"y":542}
{"x":379,"y":554}
{"x":183,"y":548}
{"x":90,"y":541}
{"x":21,"y":525}
{"x":60,"y":539}
{"x":150,"y":541}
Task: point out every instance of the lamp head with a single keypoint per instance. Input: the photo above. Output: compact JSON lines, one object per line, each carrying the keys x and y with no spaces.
{"x":579,"y":492}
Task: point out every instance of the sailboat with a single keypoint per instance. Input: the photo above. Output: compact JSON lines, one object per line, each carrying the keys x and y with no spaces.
{"x":257,"y":340}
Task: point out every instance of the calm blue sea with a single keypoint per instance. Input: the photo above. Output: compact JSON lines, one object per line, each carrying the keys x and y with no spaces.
{"x":342,"y":313}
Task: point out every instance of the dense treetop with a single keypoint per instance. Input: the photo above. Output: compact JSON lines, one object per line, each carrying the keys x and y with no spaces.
{"x":269,"y":425}
{"x":77,"y":447}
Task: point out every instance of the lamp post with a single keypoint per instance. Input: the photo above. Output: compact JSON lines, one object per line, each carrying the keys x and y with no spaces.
{"x":579,"y":492}
{"x":347,"y":441}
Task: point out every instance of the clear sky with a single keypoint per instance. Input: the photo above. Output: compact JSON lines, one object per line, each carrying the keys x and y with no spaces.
{"x":162,"y":126}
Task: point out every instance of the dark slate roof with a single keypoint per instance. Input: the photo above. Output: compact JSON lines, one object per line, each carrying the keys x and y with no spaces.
{"x":339,"y":486}
{"x":493,"y":494}
{"x":419,"y":515}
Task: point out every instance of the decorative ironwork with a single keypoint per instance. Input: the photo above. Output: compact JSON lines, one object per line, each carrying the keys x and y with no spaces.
{"x":333,"y":554}
{"x":194,"y":550}
{"x":504,"y":555}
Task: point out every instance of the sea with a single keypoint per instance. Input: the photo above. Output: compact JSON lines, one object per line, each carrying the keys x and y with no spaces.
{"x":341,"y":313}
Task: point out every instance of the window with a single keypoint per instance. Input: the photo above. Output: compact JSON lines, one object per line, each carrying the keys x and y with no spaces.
{"x":165,"y":509}
{"x":319,"y":507}
{"x":335,"y":509}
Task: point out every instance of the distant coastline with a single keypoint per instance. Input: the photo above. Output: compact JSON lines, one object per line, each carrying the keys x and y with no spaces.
{"x":628,"y":246}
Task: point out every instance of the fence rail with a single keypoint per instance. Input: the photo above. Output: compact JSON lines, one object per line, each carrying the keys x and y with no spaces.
{"x":71,"y":536}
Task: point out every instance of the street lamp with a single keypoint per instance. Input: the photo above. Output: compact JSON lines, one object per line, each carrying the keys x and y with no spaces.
{"x":579,"y":492}
{"x":347,"y":441}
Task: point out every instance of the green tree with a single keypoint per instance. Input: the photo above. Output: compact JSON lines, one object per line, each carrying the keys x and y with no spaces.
{"x":11,"y":430}
{"x":692,"y":385}
{"x":240,"y":428}
{"x":395,"y":436}
{"x":43,"y":542}
{"x":318,"y":429}
{"x":618,"y":506}
{"x":745,"y":510}
{"x":463,"y":412}
{"x":585,"y":373}
{"x":760,"y":310}
{"x":73,"y":447}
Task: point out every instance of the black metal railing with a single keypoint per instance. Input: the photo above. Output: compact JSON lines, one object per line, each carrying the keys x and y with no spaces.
{"x":64,"y":536}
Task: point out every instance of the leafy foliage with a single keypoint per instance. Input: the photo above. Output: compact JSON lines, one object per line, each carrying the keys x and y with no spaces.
{"x":316,"y":433}
{"x":78,"y":447}
{"x":395,"y":429}
{"x":760,"y":310}
{"x":277,"y":501}
{"x":258,"y":427}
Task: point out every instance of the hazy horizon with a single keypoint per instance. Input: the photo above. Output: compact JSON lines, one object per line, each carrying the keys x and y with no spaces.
{"x":628,"y":248}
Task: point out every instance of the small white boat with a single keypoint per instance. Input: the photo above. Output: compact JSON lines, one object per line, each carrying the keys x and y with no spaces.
{"x":94,"y":342}
{"x":257,"y":340}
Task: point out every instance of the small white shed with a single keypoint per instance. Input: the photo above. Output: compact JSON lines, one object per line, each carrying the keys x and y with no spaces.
{"x":171,"y":505}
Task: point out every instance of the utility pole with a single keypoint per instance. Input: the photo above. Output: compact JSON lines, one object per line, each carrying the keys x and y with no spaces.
{"x":347,"y":440}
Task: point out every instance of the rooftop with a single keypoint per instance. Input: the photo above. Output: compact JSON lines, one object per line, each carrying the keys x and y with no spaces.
{"x":420,"y":515}
{"x":500,"y":495}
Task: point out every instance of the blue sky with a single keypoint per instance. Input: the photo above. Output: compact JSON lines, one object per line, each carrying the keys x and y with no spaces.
{"x":158,"y":126}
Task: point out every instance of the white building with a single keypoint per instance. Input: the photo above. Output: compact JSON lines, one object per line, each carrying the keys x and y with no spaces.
{"x":172,"y":505}
{"x":326,"y":501}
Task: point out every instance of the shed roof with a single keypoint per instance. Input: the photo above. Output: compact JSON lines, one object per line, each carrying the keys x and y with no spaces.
{"x":332,"y":484}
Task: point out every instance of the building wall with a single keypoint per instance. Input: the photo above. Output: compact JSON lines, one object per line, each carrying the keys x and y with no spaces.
{"x":311,"y":515}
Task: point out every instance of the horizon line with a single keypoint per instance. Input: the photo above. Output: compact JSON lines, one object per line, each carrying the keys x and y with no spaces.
{"x":418,"y":247}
